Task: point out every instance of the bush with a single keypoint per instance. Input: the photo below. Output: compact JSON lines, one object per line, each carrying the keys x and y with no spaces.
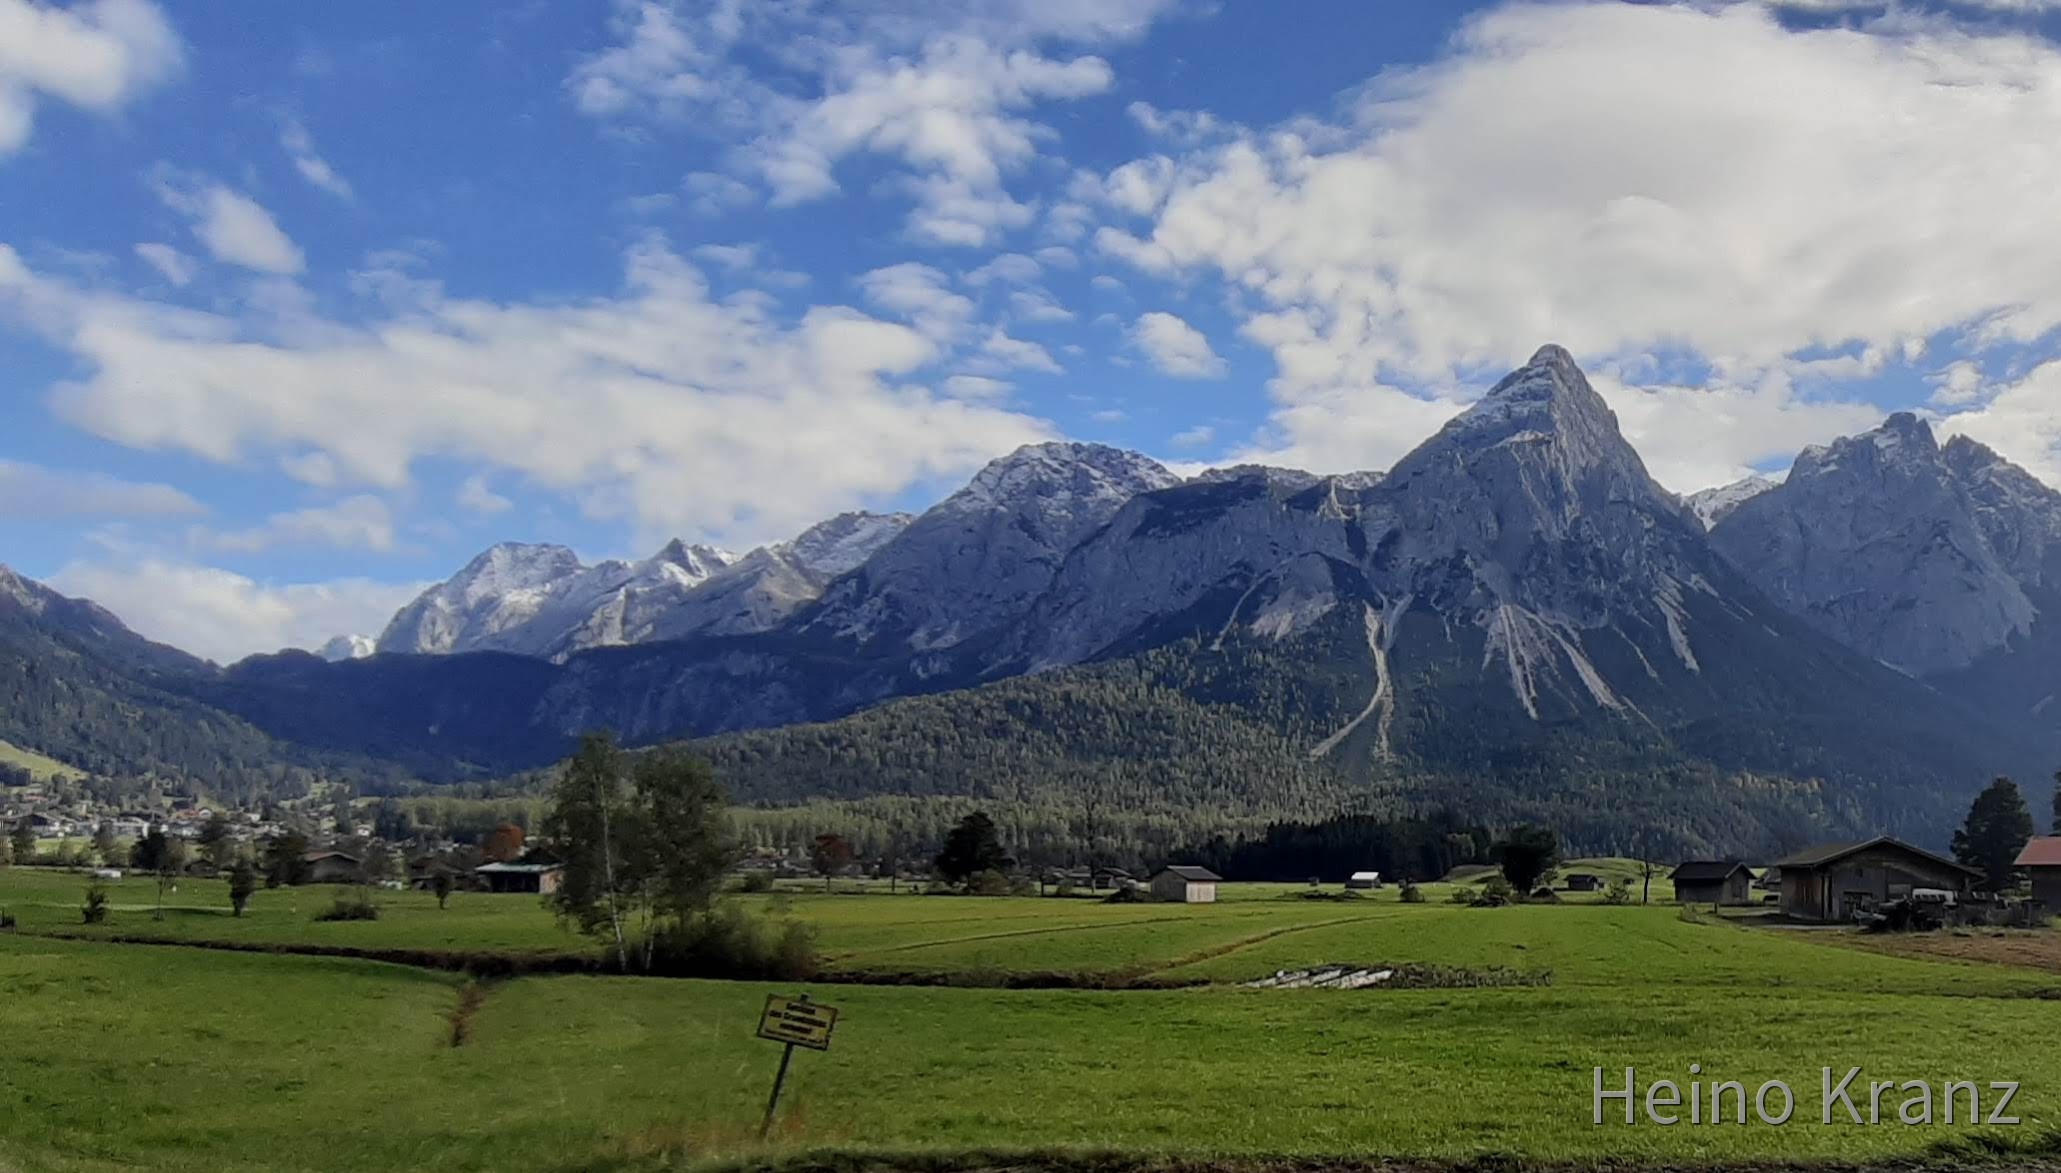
{"x":95,"y":909}
{"x":1495,"y":893}
{"x":1462,"y":895}
{"x":1129,"y":896}
{"x":988,"y":883}
{"x":1619,"y":892}
{"x":729,"y":942}
{"x":1411,"y":893}
{"x":757,"y":881}
{"x":350,"y":906}
{"x":6,"y":921}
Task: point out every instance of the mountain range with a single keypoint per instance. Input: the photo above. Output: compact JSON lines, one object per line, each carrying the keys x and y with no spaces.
{"x":1515,"y":618}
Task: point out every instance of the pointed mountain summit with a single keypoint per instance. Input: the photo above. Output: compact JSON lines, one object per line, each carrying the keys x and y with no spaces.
{"x":1875,"y":540}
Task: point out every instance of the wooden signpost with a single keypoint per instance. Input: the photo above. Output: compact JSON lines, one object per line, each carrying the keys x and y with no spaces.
{"x":796,"y":1022}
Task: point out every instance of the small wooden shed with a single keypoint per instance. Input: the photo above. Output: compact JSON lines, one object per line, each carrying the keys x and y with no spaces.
{"x":1185,"y":884}
{"x":2041,"y":860}
{"x":1713,"y":881}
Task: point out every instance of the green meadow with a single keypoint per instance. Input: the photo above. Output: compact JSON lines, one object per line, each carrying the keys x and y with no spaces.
{"x":145,"y":1056}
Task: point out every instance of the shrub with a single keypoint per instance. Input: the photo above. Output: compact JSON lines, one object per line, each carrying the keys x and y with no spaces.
{"x":987,"y":883}
{"x":757,"y":881}
{"x":1411,"y":893}
{"x":1021,"y":885}
{"x":1544,"y":895}
{"x":1462,"y":895}
{"x":1495,"y":893}
{"x":350,"y":906}
{"x":1129,"y":896}
{"x":1619,"y":892}
{"x":729,"y":942}
{"x":95,"y":909}
{"x":6,"y":921}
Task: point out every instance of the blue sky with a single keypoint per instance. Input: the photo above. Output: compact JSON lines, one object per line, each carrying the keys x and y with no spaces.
{"x":303,"y":305}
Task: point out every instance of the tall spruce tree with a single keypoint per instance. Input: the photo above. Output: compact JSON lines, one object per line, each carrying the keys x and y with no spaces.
{"x":1996,"y":831}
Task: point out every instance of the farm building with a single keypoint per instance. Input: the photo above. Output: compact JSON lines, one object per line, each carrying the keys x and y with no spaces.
{"x":2041,"y":860}
{"x":332,"y":867}
{"x":1363,"y":880}
{"x":539,"y":878}
{"x":1109,"y":879}
{"x":1584,"y":882}
{"x":1713,"y":881}
{"x":1833,"y":881}
{"x":1180,"y":884}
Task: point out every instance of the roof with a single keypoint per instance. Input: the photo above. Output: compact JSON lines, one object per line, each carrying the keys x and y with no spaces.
{"x":1707,"y":871}
{"x":313,"y":856}
{"x":1829,"y":853}
{"x":519,"y":869}
{"x":1191,"y":873}
{"x":2041,"y":851}
{"x":1366,"y":875}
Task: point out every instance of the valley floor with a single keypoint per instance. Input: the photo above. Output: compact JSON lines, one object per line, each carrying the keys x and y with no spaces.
{"x":132,"y":1056}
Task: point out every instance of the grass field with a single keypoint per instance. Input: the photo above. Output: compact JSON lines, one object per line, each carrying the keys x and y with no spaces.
{"x":40,"y":768}
{"x":135,"y":1056}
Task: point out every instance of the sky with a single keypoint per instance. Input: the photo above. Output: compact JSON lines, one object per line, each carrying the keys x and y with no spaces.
{"x":301,"y":306}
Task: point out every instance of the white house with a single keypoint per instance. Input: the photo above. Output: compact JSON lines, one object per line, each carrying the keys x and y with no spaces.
{"x":1364,"y":880}
{"x":1182,"y":884}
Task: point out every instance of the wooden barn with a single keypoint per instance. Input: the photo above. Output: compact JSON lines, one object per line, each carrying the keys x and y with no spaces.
{"x":2041,"y":860}
{"x":1833,"y":881}
{"x":1181,"y":884}
{"x":1713,"y":881}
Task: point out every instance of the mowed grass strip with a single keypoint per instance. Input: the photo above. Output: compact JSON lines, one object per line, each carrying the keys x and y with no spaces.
{"x":178,"y":1059}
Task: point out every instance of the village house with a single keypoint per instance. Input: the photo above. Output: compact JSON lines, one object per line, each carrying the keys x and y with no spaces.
{"x":2041,"y":860}
{"x":1362,"y":881}
{"x":1584,"y":882}
{"x":1833,"y":881}
{"x":1180,"y":884}
{"x":534,"y":878}
{"x":1713,"y":881}
{"x":332,"y":867}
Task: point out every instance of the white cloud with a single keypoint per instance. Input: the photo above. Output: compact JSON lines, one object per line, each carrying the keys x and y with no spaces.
{"x":1194,"y":437}
{"x":659,"y":405}
{"x":1036,"y":305}
{"x":920,"y":295}
{"x":313,"y":167}
{"x":98,"y":56}
{"x":977,"y":387}
{"x":1000,"y":352}
{"x":1694,"y":437}
{"x":712,"y":194}
{"x":362,"y":522}
{"x":1175,"y":347}
{"x":171,"y":264}
{"x":476,"y":496}
{"x":2021,"y":420}
{"x":1868,"y":190}
{"x":948,"y":91}
{"x":1008,"y":268}
{"x":33,"y":492}
{"x":224,"y":616}
{"x":232,"y":227}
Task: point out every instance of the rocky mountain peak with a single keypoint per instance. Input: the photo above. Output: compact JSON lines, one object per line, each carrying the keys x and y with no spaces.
{"x":1714,"y":505}
{"x":697,"y":561}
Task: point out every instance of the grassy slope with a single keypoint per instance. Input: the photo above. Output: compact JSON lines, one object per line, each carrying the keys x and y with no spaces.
{"x":41,"y":768}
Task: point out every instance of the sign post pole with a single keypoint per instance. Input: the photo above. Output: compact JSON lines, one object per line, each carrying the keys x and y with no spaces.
{"x":796,"y":1022}
{"x":773,"y":1101}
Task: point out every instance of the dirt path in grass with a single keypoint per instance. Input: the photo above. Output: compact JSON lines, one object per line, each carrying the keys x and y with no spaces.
{"x":2027,"y":948}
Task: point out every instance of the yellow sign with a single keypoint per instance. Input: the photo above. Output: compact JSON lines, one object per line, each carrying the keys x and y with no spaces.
{"x":797,"y":1021}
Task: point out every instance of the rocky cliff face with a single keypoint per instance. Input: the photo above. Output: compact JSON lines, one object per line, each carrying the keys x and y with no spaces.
{"x":1920,"y":557}
{"x":1714,"y":505}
